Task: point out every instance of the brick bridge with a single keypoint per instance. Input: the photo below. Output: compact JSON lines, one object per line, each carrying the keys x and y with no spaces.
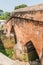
{"x":28,"y":26}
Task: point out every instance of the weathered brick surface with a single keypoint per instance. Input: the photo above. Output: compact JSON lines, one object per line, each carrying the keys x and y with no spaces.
{"x":27,"y":30}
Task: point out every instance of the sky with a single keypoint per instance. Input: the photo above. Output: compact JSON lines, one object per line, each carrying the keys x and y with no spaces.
{"x":8,"y":5}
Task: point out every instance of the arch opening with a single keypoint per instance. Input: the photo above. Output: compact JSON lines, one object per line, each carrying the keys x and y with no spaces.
{"x":31,"y":51}
{"x":12,"y":29}
{"x":13,"y":32}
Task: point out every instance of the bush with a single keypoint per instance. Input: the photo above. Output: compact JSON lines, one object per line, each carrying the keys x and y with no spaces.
{"x":20,"y":6}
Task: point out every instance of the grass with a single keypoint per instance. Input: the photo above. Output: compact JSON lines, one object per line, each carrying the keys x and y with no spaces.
{"x":25,"y":57}
{"x":9,"y":52}
{"x":6,"y":46}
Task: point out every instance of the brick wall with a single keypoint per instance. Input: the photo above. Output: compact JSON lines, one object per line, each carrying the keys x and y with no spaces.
{"x":27,"y":30}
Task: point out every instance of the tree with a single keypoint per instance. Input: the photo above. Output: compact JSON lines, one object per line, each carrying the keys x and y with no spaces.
{"x":20,"y":6}
{"x":1,"y":12}
{"x":5,"y":15}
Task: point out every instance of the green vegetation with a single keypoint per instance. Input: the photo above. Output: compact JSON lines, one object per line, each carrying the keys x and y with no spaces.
{"x":25,"y":57}
{"x":20,"y":6}
{"x":1,"y":12}
{"x":6,"y":45}
{"x":7,"y":52}
{"x":5,"y":15}
{"x":30,"y":56}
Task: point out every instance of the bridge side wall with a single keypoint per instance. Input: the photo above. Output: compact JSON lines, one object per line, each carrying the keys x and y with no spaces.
{"x":28,"y":31}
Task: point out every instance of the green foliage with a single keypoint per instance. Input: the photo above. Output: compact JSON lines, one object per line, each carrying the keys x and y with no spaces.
{"x":25,"y":57}
{"x":20,"y":6}
{"x":9,"y":52}
{"x":5,"y":15}
{"x":1,"y":10}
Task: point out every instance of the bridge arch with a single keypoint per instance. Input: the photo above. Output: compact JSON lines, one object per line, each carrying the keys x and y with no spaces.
{"x":24,"y":31}
{"x":31,"y":49}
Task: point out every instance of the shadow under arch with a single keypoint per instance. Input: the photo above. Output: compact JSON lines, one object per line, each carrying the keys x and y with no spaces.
{"x":13,"y":32}
{"x":32,"y":54}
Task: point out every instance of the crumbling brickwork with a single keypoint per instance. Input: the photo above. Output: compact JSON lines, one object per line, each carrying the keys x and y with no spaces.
{"x":27,"y":30}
